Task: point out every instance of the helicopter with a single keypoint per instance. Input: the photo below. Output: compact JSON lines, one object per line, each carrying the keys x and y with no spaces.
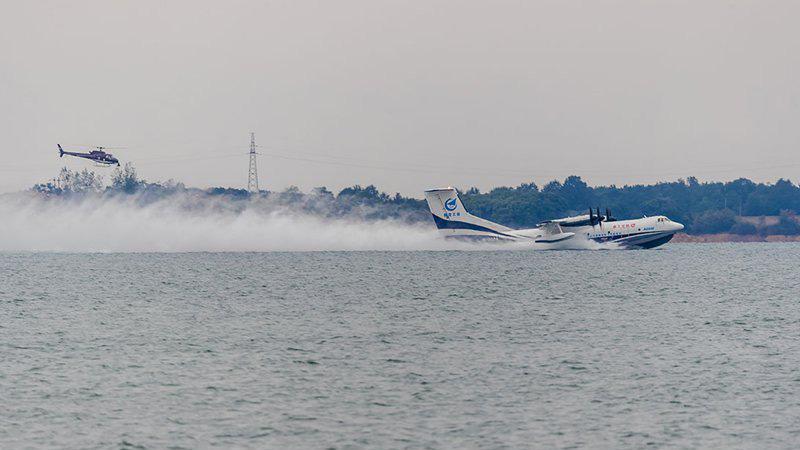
{"x":98,"y":156}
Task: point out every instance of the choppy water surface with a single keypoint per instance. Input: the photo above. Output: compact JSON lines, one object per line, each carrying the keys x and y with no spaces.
{"x":688,"y":346}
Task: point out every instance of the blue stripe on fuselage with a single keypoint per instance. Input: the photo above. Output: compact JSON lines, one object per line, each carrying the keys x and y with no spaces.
{"x":627,"y":236}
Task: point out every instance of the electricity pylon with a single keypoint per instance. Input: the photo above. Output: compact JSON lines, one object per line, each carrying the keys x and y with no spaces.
{"x":252,"y":176}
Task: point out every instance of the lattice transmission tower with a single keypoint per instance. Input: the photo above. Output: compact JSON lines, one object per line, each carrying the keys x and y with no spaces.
{"x":252,"y":176}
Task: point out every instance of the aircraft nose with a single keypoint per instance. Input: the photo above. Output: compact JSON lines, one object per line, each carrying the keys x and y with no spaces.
{"x":678,"y":226}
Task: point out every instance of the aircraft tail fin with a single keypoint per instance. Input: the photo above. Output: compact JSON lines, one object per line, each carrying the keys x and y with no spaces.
{"x":453,"y":220}
{"x":60,"y":151}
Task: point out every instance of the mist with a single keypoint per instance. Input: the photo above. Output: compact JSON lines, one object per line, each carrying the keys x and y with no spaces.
{"x":185,"y":224}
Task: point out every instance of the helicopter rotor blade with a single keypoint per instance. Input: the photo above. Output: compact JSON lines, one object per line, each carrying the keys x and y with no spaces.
{"x":104,"y":147}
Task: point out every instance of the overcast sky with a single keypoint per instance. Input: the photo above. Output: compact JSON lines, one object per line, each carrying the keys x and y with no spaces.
{"x":406,"y":95}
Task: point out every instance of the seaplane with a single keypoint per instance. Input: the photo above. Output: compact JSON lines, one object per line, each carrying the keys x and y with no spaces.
{"x":453,"y":221}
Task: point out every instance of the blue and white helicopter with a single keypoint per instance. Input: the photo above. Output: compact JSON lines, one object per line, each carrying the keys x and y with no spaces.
{"x":99,"y":156}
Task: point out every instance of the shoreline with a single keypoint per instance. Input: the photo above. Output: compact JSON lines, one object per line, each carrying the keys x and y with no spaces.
{"x":729,"y":237}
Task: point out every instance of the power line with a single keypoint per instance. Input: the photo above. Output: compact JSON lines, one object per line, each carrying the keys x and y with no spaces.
{"x":372,"y":164}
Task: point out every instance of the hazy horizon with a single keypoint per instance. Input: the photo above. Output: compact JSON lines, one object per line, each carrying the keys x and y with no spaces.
{"x":403,"y":95}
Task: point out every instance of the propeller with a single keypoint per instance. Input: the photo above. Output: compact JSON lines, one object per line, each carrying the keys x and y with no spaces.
{"x":595,"y":218}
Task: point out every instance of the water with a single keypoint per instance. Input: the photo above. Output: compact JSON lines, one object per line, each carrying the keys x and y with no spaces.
{"x":687,"y":346}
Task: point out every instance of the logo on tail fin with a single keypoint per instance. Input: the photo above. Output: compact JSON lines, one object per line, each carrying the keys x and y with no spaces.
{"x":450,"y":204}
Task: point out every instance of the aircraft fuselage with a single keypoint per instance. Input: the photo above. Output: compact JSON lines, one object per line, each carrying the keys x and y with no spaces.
{"x":453,"y":221}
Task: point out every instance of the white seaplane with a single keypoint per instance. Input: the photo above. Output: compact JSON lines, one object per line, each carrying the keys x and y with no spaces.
{"x":453,"y":220}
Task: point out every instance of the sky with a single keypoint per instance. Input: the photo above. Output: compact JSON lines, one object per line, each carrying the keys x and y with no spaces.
{"x":406,"y":95}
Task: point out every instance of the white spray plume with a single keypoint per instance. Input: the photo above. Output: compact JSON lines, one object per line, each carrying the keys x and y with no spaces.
{"x":185,"y":223}
{"x":122,"y":224}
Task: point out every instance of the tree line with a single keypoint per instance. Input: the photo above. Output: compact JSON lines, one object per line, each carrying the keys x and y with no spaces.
{"x":711,"y":207}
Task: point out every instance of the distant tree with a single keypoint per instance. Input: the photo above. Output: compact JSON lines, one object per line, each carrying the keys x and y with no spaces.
{"x":715,"y":221}
{"x":367,"y":195}
{"x":662,"y":206}
{"x":738,"y":190}
{"x":291,"y":196}
{"x":47,"y":188}
{"x":786,"y":196}
{"x":744,"y":228}
{"x":125,"y":179}
{"x":84,"y":182}
{"x":787,"y":224}
{"x":322,"y":192}
{"x":172,"y":185}
{"x":553,"y":186}
{"x":575,"y":191}
{"x":238,"y":194}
